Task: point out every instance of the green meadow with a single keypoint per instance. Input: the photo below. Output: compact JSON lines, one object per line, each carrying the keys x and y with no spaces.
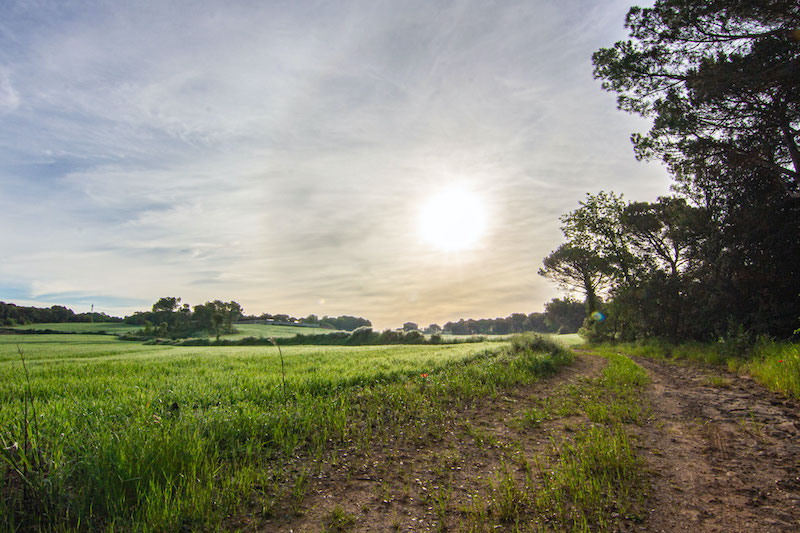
{"x":243,"y":330}
{"x":270,"y":330}
{"x":82,"y":327}
{"x":108,"y":434}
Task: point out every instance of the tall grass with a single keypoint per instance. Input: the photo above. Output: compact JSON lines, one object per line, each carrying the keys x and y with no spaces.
{"x":776,"y":365}
{"x":178,"y":438}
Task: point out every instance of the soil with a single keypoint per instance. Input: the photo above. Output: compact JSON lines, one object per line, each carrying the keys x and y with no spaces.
{"x":723,"y":451}
{"x":722,"y":454}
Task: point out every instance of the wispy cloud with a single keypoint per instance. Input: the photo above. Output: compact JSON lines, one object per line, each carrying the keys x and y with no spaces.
{"x":277,"y":153}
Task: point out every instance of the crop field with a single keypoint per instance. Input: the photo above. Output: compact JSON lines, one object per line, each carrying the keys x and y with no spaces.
{"x":115,"y":434}
{"x":243,"y":330}
{"x":269,"y":330}
{"x":107,"y":435}
{"x":83,"y":327}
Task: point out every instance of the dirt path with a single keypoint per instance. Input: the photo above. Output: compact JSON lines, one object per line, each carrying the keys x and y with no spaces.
{"x":724,"y":452}
{"x":414,"y":486}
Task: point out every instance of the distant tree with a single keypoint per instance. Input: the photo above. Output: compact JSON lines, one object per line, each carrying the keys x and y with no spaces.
{"x":518,"y":322}
{"x":346,"y":322}
{"x":167,"y":304}
{"x":362,"y":335}
{"x":433,"y":329}
{"x":457,"y":328}
{"x":310,"y":319}
{"x":410,"y":326}
{"x":538,"y":322}
{"x":216,"y":317}
{"x":564,"y":316}
{"x":579,"y":269}
{"x":232,"y":311}
{"x":217,"y":321}
{"x":500,"y":326}
{"x":59,"y":313}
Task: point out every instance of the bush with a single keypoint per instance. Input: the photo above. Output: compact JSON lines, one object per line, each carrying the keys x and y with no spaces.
{"x":530,"y":342}
{"x":362,"y":335}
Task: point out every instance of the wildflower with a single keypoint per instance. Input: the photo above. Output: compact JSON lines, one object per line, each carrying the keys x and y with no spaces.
{"x":424,"y":375}
{"x":780,"y":360}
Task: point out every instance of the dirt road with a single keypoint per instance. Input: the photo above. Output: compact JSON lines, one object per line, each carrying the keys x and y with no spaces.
{"x":721,"y":452}
{"x":724,"y":452}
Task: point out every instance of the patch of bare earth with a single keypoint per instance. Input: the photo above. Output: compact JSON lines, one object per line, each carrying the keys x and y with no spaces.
{"x":419,"y":483}
{"x":723,"y":451}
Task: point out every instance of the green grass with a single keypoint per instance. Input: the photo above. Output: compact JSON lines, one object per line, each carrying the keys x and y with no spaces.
{"x":162,"y":438}
{"x":593,"y":477}
{"x":776,"y":365}
{"x":244,"y":330}
{"x":63,"y":348}
{"x":568,"y":339}
{"x":83,"y":327}
{"x":270,"y":330}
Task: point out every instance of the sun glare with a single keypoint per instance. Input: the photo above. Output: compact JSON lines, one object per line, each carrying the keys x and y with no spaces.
{"x":453,"y":220}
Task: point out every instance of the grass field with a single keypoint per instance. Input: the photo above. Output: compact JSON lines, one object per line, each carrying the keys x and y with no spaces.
{"x":164,"y":437}
{"x":244,"y":330}
{"x":776,"y":365}
{"x":83,"y":327}
{"x":269,"y":330}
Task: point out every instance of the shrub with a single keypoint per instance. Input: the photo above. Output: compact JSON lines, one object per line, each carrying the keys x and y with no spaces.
{"x":362,"y":335}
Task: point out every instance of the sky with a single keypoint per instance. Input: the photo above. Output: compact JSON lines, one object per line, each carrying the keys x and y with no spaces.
{"x":287,"y":154}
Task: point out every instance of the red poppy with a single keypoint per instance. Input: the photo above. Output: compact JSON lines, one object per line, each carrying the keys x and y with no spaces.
{"x":424,"y":375}
{"x":780,"y":360}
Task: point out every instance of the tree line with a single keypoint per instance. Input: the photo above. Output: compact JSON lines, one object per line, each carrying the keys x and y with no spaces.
{"x":170,"y":319}
{"x":560,"y":316}
{"x":17,"y":315}
{"x":720,"y":258}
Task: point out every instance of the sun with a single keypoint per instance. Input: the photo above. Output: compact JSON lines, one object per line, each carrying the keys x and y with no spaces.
{"x":453,"y":220}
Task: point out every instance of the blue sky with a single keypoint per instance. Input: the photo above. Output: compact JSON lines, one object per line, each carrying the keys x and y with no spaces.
{"x":278,"y":153}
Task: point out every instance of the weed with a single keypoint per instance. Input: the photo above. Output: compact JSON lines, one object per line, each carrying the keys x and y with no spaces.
{"x":508,"y":498}
{"x":441,"y":501}
{"x":338,"y":520}
{"x":718,"y":382}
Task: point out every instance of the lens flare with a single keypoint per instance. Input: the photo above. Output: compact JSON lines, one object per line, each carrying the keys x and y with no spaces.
{"x":598,"y":316}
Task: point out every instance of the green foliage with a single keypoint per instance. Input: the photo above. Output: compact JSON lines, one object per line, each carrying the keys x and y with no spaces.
{"x":575,"y":267}
{"x":561,"y":316}
{"x":338,"y":520}
{"x":777,"y":366}
{"x":16,"y":315}
{"x":169,"y":320}
{"x":719,"y":81}
{"x":594,"y":477}
{"x":345,"y":322}
{"x":716,"y":77}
